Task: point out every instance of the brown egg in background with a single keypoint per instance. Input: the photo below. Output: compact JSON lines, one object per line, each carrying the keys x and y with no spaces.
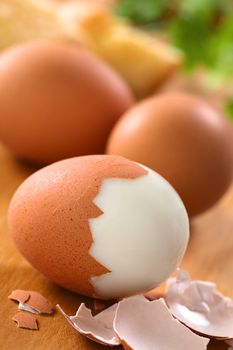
{"x":184,"y":139}
{"x":57,"y":101}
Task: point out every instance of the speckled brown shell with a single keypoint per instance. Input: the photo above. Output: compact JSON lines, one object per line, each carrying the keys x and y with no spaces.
{"x":48,"y":217}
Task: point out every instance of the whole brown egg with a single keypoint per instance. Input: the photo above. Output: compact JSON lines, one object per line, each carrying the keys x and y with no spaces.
{"x":183,"y":138}
{"x":57,"y":101}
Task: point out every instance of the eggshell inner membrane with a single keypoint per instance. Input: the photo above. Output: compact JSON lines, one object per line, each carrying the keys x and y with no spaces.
{"x":25,"y":307}
{"x":98,"y":328}
{"x":143,"y":325}
{"x":200,"y":306}
{"x":145,"y":227}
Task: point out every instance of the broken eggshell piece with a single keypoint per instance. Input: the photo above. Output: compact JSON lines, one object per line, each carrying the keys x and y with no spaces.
{"x":98,"y":328}
{"x":25,"y":320}
{"x":19,"y":295}
{"x":199,"y":306}
{"x":107,"y":229}
{"x":143,"y":325}
{"x":137,"y":324}
{"x":31,"y":301}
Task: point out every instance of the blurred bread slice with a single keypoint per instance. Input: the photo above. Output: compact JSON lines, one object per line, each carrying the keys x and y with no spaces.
{"x":26,"y":20}
{"x":143,"y":61}
{"x":23,"y":20}
{"x":71,"y":12}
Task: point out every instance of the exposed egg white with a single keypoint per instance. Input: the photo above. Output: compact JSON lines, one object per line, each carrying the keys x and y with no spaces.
{"x":140,"y":237}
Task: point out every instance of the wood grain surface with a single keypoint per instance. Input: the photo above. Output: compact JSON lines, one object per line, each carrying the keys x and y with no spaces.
{"x":209,"y":256}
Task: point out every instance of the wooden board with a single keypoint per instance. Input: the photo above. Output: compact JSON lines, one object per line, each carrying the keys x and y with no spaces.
{"x":209,"y":256}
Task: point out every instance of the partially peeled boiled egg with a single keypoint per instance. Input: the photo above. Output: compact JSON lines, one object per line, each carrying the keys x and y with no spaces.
{"x":102,"y":226}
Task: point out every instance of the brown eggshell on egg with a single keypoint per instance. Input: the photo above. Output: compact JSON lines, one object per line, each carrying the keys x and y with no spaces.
{"x":49,"y":217}
{"x":184,"y":139}
{"x":57,"y":101}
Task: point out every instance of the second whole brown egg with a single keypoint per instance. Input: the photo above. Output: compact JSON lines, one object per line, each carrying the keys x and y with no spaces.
{"x":57,"y":101}
{"x":183,"y":138}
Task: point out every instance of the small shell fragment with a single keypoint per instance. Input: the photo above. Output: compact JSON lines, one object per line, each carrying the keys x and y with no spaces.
{"x":25,"y":320}
{"x":31,"y":301}
{"x":199,"y":306}
{"x":141,"y":324}
{"x":98,"y":328}
{"x":19,"y":295}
